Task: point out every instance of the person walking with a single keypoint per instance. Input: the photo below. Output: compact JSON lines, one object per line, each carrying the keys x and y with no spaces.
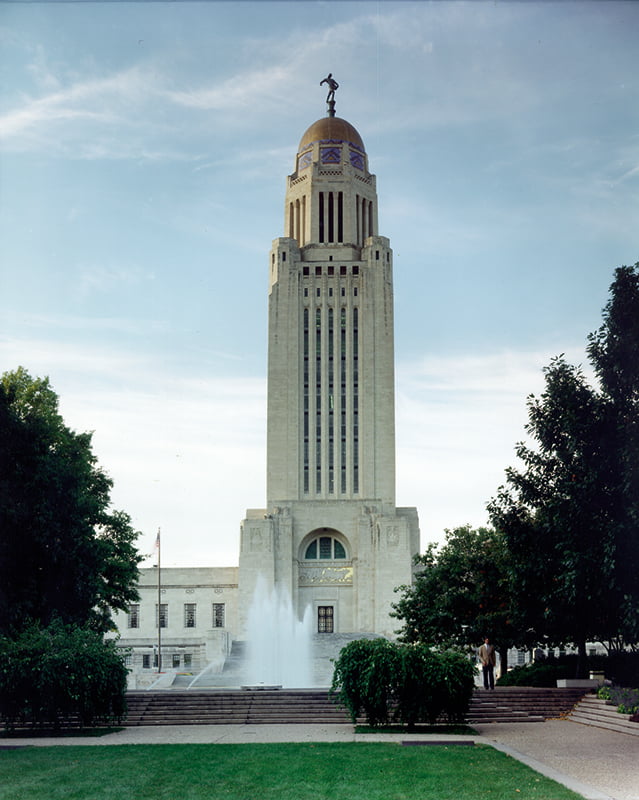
{"x":488,"y":660}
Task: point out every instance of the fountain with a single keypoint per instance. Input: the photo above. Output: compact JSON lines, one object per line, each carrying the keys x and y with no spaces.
{"x":278,"y":643}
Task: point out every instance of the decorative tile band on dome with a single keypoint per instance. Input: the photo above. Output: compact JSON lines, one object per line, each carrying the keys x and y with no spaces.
{"x":341,"y":141}
{"x":305,"y":160}
{"x":330,"y":155}
{"x":357,"y":160}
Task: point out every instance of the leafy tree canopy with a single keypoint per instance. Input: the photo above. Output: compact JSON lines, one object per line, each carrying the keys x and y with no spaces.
{"x":64,"y":553}
{"x":570,"y":514}
{"x":461,"y":593}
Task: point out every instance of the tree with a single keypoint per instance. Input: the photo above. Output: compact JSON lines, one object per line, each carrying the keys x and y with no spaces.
{"x":613,"y":351}
{"x":64,"y":554}
{"x":570,"y":516}
{"x":462,"y":593}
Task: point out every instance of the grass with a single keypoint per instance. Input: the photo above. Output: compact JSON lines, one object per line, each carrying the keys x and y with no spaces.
{"x":320,"y":771}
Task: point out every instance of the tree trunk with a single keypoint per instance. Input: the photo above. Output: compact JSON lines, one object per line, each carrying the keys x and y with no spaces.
{"x":503,"y":661}
{"x":582,"y":660}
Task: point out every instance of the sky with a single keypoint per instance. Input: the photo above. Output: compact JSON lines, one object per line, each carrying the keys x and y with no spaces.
{"x":144,"y":149}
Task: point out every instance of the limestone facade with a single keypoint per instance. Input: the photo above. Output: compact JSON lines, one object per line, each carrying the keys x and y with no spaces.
{"x":330,"y":536}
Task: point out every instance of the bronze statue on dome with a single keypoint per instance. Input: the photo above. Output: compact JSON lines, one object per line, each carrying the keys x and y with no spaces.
{"x":332,"y":86}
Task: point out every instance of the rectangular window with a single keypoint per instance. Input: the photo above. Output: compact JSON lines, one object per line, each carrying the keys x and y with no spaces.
{"x":218,"y":615}
{"x":175,"y":662}
{"x":188,"y":661}
{"x":189,"y":615}
{"x":128,"y":660}
{"x":325,"y":619}
{"x":134,"y":616}
{"x":146,"y":661}
{"x":163,"y":616}
{"x":325,"y":547}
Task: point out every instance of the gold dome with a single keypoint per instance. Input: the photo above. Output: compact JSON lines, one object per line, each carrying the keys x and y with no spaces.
{"x":332,"y":128}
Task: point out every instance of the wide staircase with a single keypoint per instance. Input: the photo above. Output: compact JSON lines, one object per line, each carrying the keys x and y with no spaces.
{"x":592,"y":710}
{"x":241,"y":707}
{"x":314,"y":706}
{"x":521,"y":704}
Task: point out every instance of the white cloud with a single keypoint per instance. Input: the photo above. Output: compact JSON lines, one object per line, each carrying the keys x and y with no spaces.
{"x":187,"y":451}
{"x":458,"y":420}
{"x":102,"y":278}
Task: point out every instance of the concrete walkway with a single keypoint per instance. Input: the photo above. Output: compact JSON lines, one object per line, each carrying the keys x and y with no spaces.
{"x":596,"y":763}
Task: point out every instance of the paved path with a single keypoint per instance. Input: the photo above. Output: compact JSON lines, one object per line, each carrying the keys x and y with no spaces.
{"x":596,"y":763}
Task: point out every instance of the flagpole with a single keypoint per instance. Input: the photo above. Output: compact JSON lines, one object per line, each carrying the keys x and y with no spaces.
{"x":159,"y":605}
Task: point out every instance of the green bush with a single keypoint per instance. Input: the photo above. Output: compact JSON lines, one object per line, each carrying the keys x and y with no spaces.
{"x":364,"y":677}
{"x":390,"y":682}
{"x":50,"y":674}
{"x":621,"y":668}
{"x":626,"y":700}
{"x":539,"y":674}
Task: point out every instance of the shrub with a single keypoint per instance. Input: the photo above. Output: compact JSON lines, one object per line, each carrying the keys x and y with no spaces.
{"x":539,"y":674}
{"x":626,"y":700}
{"x":402,"y":682}
{"x":364,"y":677}
{"x":620,"y":667}
{"x":50,"y":674}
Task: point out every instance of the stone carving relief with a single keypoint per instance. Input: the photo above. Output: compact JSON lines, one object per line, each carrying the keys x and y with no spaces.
{"x":313,"y":576}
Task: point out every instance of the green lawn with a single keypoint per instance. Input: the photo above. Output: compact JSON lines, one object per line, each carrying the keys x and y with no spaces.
{"x":321,"y":771}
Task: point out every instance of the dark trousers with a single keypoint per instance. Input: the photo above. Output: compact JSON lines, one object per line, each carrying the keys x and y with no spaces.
{"x":489,"y":677}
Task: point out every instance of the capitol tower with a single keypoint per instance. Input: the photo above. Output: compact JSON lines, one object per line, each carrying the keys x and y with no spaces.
{"x":331,"y":536}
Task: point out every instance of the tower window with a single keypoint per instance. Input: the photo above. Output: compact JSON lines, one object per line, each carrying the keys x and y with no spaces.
{"x":284,"y":256}
{"x":342,"y":270}
{"x":318,"y":270}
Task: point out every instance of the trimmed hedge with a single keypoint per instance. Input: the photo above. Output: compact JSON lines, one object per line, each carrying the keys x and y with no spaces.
{"x":405,"y":683}
{"x":50,"y":675}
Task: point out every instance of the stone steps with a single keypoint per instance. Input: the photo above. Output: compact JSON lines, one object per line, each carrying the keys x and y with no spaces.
{"x":306,"y":706}
{"x":525,"y":704}
{"x":246,"y":707}
{"x":596,"y":712}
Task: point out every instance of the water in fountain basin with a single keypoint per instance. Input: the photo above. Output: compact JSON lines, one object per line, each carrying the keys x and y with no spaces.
{"x":278,"y":643}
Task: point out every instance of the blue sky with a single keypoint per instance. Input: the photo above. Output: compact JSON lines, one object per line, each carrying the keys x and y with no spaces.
{"x":144,"y":150}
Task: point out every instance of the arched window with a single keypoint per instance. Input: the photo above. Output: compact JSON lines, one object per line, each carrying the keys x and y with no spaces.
{"x":325,"y":548}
